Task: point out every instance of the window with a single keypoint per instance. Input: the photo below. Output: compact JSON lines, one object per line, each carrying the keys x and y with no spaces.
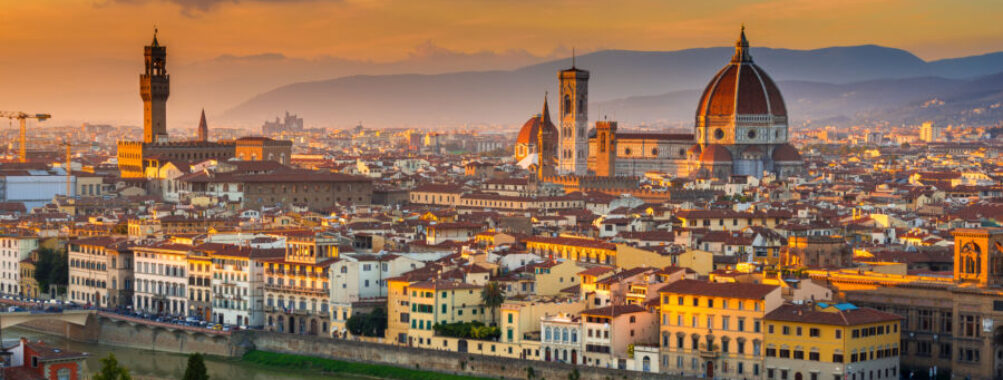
{"x":946,"y":322}
{"x":924,"y":348}
{"x":945,"y":351}
{"x":969,"y":325}
{"x":837,"y":358}
{"x":839,"y":334}
{"x":970,"y":355}
{"x":814,"y":332}
{"x":813,"y":356}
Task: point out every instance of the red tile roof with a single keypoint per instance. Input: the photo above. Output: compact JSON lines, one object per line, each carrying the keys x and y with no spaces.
{"x":719,"y":289}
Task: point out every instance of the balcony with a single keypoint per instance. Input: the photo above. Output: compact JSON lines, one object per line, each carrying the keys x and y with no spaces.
{"x":711,"y":351}
{"x":295,"y":289}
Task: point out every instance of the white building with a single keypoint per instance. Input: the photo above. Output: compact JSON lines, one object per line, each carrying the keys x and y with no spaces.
{"x":238,"y":283}
{"x":561,"y":338}
{"x":161,"y":278}
{"x":361,"y":278}
{"x":13,"y":249}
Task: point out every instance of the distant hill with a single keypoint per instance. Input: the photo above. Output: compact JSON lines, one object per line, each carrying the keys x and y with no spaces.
{"x":908,"y":100}
{"x":844,"y":83}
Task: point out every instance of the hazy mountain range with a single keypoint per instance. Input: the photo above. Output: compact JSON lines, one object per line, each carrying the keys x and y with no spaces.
{"x":830,"y":85}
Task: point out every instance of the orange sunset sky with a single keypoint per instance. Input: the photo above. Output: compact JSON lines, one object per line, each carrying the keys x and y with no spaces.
{"x":76,"y":56}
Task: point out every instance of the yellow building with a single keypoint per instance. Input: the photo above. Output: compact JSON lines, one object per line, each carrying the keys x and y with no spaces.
{"x":436,"y":302}
{"x":715,"y":329}
{"x":831,"y":342}
{"x":592,"y":251}
{"x":29,"y":285}
{"x":552,"y":277}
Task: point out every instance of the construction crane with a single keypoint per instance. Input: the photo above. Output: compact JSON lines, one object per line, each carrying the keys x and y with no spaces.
{"x":21,"y":118}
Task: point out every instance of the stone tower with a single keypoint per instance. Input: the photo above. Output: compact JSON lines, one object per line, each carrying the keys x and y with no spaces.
{"x":978,"y":256}
{"x":203,"y":129}
{"x":154,"y":87}
{"x":605,"y":148}
{"x":573,"y":142}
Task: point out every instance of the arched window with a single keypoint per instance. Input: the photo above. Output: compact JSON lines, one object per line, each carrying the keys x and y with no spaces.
{"x":567,"y":105}
{"x":547,"y":334}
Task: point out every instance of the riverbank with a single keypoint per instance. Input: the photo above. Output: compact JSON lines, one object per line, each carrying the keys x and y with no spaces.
{"x":366,"y":358}
{"x":330,"y":366}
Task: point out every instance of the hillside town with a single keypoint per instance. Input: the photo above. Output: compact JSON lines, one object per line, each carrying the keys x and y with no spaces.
{"x":743,"y":249}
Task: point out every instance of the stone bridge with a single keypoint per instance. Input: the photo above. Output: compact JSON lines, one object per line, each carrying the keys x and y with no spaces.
{"x":76,"y":317}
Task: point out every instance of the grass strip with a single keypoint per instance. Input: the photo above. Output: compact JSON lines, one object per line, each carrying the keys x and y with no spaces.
{"x":310,"y":363}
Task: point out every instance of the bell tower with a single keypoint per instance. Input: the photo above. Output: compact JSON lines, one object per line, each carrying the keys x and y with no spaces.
{"x":572,"y":152}
{"x":154,"y":88}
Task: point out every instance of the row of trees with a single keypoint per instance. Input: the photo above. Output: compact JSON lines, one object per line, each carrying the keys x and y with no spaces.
{"x":111,"y":370}
{"x":468,"y":330}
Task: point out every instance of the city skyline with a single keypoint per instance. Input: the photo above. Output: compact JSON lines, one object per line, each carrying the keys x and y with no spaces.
{"x":69,"y":59}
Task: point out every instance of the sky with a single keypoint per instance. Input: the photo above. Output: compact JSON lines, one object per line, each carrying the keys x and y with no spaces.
{"x":58,"y":51}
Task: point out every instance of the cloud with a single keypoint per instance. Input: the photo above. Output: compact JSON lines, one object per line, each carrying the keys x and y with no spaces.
{"x":193,"y":7}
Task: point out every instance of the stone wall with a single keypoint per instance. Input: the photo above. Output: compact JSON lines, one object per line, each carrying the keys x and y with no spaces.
{"x":120,"y":333}
{"x":424,"y":359}
{"x":117,"y":333}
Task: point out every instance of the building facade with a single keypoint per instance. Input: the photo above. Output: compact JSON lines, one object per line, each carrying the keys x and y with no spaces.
{"x":297,"y":299}
{"x":13,"y":249}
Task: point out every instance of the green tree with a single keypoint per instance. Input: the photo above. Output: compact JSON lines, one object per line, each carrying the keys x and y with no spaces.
{"x":196,"y":368}
{"x":111,"y":370}
{"x":493,"y":296}
{"x":371,"y":324}
{"x":52,"y":269}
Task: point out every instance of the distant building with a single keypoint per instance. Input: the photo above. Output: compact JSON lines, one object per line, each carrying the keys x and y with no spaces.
{"x":931,"y":132}
{"x":290,"y":123}
{"x":135,"y":157}
{"x":740,"y":129}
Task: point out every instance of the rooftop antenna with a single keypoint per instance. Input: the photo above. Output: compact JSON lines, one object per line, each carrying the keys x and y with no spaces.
{"x":572,"y":57}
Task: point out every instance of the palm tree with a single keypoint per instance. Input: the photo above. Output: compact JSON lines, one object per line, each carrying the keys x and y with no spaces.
{"x":492,"y":296}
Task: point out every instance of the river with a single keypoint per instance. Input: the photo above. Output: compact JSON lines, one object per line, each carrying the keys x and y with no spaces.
{"x":152,"y":365}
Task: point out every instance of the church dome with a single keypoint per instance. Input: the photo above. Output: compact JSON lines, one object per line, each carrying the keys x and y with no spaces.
{"x":786,"y":153}
{"x":741,"y":88}
{"x":715,"y":153}
{"x":531,"y":129}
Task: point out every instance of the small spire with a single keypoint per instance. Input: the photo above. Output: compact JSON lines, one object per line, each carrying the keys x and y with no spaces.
{"x":203,"y":132}
{"x":155,"y":43}
{"x":545,"y":115}
{"x":572,"y":57}
{"x":741,"y":48}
